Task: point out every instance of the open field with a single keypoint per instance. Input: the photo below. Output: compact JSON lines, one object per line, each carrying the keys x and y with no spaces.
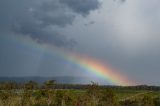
{"x":30,"y":98}
{"x":126,"y":94}
{"x":52,"y":94}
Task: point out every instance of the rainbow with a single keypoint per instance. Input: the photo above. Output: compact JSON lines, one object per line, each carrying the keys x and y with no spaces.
{"x":101,"y":70}
{"x":88,"y":64}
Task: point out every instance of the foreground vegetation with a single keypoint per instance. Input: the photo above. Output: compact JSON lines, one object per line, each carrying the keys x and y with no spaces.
{"x":51,"y":94}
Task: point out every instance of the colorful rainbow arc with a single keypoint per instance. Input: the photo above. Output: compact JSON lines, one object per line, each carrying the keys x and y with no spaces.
{"x":86,"y":63}
{"x":101,"y":70}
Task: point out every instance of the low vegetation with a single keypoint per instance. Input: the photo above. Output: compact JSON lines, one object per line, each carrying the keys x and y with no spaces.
{"x":52,"y":94}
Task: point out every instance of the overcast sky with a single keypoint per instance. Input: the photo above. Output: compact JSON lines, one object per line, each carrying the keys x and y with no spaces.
{"x":122,"y":33}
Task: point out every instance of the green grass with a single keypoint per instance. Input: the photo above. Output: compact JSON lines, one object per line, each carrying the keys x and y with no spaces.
{"x":121,"y":95}
{"x":132,"y":94}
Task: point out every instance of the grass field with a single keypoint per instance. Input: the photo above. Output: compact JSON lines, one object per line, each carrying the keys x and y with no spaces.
{"x":8,"y":99}
{"x":51,"y":94}
{"x":126,"y":94}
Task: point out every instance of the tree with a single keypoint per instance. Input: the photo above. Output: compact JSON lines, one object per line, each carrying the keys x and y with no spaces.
{"x":50,"y":97}
{"x":94,"y":93}
{"x":30,"y":85}
{"x":49,"y":84}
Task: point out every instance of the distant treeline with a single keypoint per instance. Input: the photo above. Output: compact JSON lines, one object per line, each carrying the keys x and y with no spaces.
{"x":81,"y":86}
{"x":35,"y":85}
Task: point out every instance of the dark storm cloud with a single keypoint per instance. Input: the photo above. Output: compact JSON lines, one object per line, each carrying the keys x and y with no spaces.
{"x":44,"y":36}
{"x":52,"y":13}
{"x":40,"y":21}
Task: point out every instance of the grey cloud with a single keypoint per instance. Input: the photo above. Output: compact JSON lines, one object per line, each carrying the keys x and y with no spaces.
{"x":82,"y":6}
{"x":120,"y":1}
{"x":53,"y":13}
{"x":126,"y":36}
{"x":38,"y":21}
{"x":44,"y":36}
{"x":90,"y":23}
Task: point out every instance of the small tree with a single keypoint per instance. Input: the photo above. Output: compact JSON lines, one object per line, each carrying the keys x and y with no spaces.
{"x":49,"y":84}
{"x":94,"y":93}
{"x":30,"y":85}
{"x":50,"y":97}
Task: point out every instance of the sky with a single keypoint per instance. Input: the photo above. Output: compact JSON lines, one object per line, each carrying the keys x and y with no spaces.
{"x":121,"y":33}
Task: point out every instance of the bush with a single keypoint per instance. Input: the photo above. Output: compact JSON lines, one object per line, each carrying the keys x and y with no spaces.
{"x":147,"y":101}
{"x":157,"y":101}
{"x":108,"y":98}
